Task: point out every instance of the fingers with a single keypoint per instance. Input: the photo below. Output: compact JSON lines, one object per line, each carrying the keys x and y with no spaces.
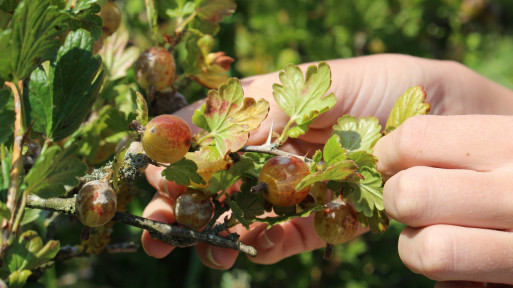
{"x":216,"y":257}
{"x":475,"y":142}
{"x":167,"y":188}
{"x":159,"y":209}
{"x":444,"y":252}
{"x":284,"y":240}
{"x":421,"y":196}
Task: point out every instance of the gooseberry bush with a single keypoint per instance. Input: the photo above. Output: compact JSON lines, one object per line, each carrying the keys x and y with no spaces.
{"x":84,"y":112}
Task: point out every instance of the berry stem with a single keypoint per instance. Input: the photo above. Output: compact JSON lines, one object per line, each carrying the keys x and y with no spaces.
{"x":260,"y":187}
{"x":137,"y":127}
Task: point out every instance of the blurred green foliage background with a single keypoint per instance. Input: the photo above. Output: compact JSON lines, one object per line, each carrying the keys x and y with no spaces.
{"x":263,"y":36}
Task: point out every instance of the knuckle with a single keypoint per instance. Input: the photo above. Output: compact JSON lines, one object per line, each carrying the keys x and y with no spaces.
{"x":408,"y":201}
{"x":410,"y":138}
{"x":435,"y":254}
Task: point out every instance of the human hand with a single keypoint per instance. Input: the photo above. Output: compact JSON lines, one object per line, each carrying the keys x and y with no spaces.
{"x":364,"y":86}
{"x":451,"y":183}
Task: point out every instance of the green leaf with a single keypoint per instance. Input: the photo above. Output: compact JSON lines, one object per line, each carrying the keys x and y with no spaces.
{"x":33,"y":38}
{"x":210,"y":13}
{"x":411,"y":103}
{"x":183,"y":172}
{"x":259,"y":160}
{"x":378,"y":223}
{"x":4,"y":211}
{"x":333,"y":151}
{"x":61,"y":100}
{"x":215,"y":10}
{"x":142,"y":109}
{"x":251,"y":203}
{"x":19,"y":278}
{"x":338,"y":171}
{"x":54,"y":169}
{"x":237,"y":212}
{"x":206,"y":68}
{"x":151,"y":12}
{"x":367,"y":194}
{"x":303,"y":99}
{"x":359,"y":134}
{"x":8,"y":5}
{"x":227,"y":118}
{"x":117,"y":57}
{"x":99,"y":137}
{"x":84,"y":15}
{"x":5,"y":165}
{"x":30,"y":215}
{"x":363,"y":159}
{"x":271,"y":221}
{"x":6,"y":115}
{"x":29,"y":252}
{"x":224,"y":179}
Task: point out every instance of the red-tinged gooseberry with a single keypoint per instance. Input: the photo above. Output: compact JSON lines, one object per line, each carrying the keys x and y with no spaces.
{"x":166,"y":138}
{"x":337,"y":223}
{"x":155,"y":67}
{"x":111,"y":17}
{"x":95,"y":203}
{"x":281,"y":175}
{"x":193,"y":209}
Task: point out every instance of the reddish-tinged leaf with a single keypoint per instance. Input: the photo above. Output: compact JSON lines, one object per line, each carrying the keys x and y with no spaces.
{"x":227,"y":118}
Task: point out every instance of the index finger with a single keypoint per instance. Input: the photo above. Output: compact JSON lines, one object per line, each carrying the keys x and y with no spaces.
{"x":475,"y":142}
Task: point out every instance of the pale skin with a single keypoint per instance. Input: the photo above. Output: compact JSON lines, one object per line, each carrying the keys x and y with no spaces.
{"x":449,"y":178}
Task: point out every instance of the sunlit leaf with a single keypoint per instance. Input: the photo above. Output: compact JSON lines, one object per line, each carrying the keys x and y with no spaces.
{"x":61,"y":99}
{"x":227,"y":117}
{"x":210,"y":13}
{"x":411,"y":103}
{"x":85,"y":15}
{"x":32,"y":38}
{"x":358,"y":134}
{"x":151,"y":12}
{"x":338,"y":171}
{"x":367,"y":194}
{"x":303,"y":98}
{"x":207,"y":68}
{"x":54,"y":169}
{"x":183,"y":172}
{"x":117,"y":57}
{"x":29,"y":252}
{"x":142,"y":109}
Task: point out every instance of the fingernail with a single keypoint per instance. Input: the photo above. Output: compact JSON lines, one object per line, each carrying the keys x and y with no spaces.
{"x":269,"y":237}
{"x":210,"y":257}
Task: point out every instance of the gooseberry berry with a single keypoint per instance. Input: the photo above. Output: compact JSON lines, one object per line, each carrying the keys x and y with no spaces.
{"x":193,"y":209}
{"x":166,"y":138}
{"x":95,"y":203}
{"x":111,"y":16}
{"x":155,"y":67}
{"x":337,"y":223}
{"x":281,"y":175}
